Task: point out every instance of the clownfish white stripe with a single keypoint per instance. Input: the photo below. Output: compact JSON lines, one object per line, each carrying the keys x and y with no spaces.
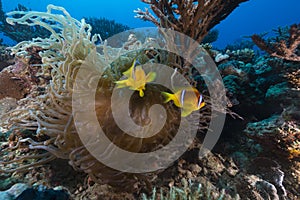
{"x":200,"y":101}
{"x":182,"y":97}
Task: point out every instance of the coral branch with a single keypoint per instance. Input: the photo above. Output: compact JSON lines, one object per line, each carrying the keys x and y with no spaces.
{"x":284,"y":49}
{"x":193,"y":18}
{"x":20,"y":32}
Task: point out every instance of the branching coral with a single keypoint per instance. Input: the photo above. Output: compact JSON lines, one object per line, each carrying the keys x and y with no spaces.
{"x":294,"y":79}
{"x":105,"y":27}
{"x":284,"y":49}
{"x":20,"y":32}
{"x":193,"y":18}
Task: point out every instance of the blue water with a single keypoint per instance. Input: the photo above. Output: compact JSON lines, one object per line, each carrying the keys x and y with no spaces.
{"x":254,"y":16}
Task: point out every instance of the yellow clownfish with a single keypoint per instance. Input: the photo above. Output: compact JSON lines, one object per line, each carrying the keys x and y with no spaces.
{"x":136,"y":78}
{"x":188,"y":99}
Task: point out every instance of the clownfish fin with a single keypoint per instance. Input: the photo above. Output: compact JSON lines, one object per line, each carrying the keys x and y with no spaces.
{"x":202,"y":105}
{"x":122,"y":83}
{"x":130,"y":71}
{"x":185,"y":112}
{"x":150,"y":77}
{"x":141,"y":93}
{"x":168,"y":96}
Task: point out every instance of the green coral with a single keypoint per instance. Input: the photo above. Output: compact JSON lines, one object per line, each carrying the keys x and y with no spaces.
{"x":277,"y":92}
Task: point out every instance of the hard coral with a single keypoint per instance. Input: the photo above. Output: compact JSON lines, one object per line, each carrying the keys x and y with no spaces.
{"x":193,"y":18}
{"x":278,"y":134}
{"x":294,"y":79}
{"x":285,"y":49}
{"x":12,"y":86}
{"x":6,"y":58}
{"x":20,"y":32}
{"x":24,"y":77}
{"x":106,"y":28}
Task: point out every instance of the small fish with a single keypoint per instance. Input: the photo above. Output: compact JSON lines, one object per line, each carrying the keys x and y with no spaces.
{"x":188,"y":99}
{"x":136,"y":78}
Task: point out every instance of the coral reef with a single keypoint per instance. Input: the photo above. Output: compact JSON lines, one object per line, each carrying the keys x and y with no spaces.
{"x":20,"y":32}
{"x":256,"y":158}
{"x":6,"y":58}
{"x":188,"y":191}
{"x":105,"y":27}
{"x":46,"y":194}
{"x":50,"y":113}
{"x":244,"y":43}
{"x":245,"y":55}
{"x":277,"y":135}
{"x":73,"y":40}
{"x":23,"y":77}
{"x":279,"y":138}
{"x":193,"y":18}
{"x":16,"y":87}
{"x":211,"y":37}
{"x":21,"y":191}
{"x":287,"y":49}
{"x":294,"y":79}
{"x":13,"y":192}
{"x":266,"y":92}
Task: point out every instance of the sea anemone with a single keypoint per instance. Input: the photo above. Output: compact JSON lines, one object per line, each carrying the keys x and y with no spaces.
{"x":71,"y":47}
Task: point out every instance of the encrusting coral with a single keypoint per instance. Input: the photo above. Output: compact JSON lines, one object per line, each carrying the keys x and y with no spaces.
{"x":51,"y":114}
{"x":5,"y":58}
